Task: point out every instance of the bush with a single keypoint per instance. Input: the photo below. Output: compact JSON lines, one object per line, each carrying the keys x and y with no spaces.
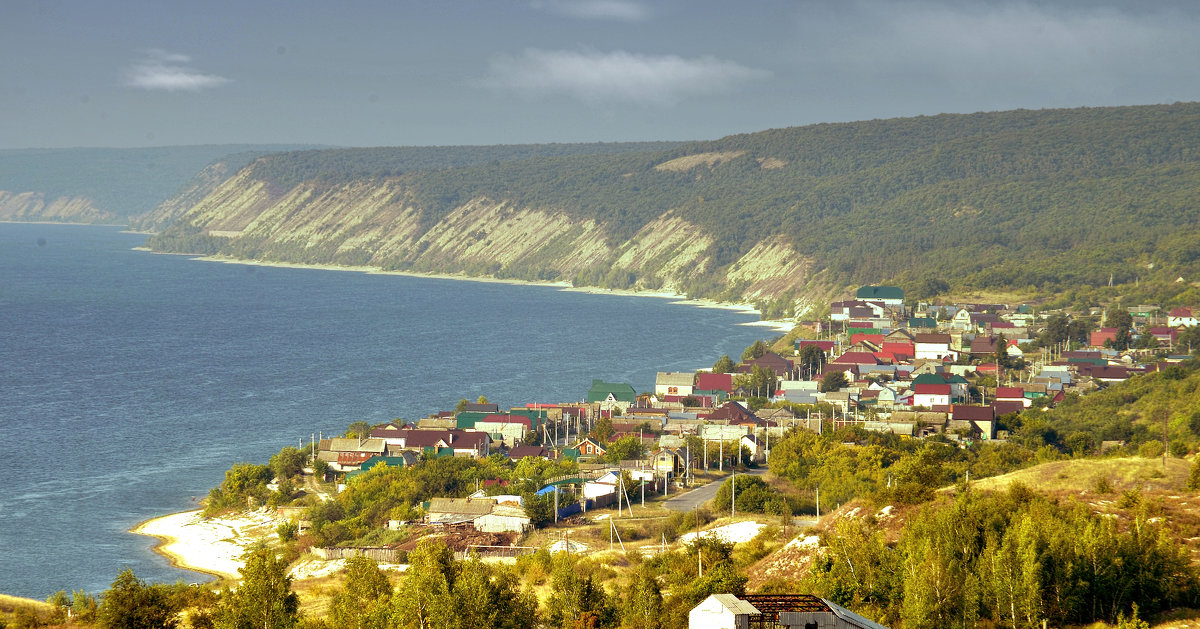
{"x":245,"y":484}
{"x":1150,"y":449}
{"x":287,"y":531}
{"x":753,"y":496}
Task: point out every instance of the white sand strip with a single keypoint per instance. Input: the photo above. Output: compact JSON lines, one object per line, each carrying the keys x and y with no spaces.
{"x":214,"y":547}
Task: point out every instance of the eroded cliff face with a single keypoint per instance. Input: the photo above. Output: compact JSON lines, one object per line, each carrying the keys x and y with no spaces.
{"x":33,"y":206}
{"x":378,"y":223}
{"x":169,"y":211}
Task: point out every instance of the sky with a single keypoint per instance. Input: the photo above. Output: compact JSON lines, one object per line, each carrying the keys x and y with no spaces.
{"x":127,"y":73}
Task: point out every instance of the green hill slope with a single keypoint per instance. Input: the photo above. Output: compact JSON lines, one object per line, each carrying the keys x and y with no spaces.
{"x":1043,"y":199}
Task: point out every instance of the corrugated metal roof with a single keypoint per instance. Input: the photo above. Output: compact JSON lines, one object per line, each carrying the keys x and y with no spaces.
{"x":853,"y":618}
{"x":461,"y":506}
{"x":734,"y":604}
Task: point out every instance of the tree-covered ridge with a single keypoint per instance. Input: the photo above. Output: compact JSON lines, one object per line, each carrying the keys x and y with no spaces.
{"x":1045,"y":201}
{"x":997,"y":199}
{"x":334,"y":166}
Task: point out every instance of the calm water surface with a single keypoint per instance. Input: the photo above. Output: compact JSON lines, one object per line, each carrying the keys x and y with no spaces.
{"x":130,"y":381}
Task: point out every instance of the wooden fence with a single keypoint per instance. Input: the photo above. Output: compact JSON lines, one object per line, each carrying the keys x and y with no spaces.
{"x":381,"y":554}
{"x":490,"y":552}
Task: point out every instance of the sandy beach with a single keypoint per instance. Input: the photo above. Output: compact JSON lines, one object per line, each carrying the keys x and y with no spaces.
{"x":213,"y":547}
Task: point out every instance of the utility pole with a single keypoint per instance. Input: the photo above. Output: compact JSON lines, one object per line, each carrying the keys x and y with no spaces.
{"x":733,"y":494}
{"x":1166,"y":438}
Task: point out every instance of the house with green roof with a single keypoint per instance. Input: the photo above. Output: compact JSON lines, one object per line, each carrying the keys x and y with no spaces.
{"x":610,"y":394}
{"x":922,"y":322}
{"x":889,"y":295}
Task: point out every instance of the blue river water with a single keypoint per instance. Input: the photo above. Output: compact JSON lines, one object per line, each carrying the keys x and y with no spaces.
{"x":129,"y":381}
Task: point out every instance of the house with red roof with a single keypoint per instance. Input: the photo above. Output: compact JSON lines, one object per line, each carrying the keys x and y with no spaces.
{"x":1181,"y":316}
{"x":733,"y":413}
{"x":855,"y":358}
{"x":776,"y":363}
{"x":1013,"y":394}
{"x":714,"y":382}
{"x":866,"y":337}
{"x":825,"y":346}
{"x":1097,"y":338}
{"x":899,"y":350}
{"x":1165,"y":335}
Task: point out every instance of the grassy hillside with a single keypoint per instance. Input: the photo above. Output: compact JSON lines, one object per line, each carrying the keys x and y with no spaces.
{"x":1027,"y":200}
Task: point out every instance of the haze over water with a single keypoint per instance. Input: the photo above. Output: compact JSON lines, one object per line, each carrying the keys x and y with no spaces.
{"x":129,"y":382}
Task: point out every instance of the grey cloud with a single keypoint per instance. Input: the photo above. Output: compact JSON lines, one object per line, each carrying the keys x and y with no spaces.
{"x":622,"y":10}
{"x":615,"y":77}
{"x":1073,"y":53}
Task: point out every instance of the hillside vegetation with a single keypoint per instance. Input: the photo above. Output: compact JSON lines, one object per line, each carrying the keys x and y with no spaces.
{"x":1027,"y":200}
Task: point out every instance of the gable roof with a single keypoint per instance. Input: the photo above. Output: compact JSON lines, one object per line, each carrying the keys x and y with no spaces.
{"x":856,"y":358}
{"x":973,"y":413}
{"x":1010,"y":392}
{"x":936,"y":339}
{"x":985,"y":344}
{"x":715,"y":382}
{"x":730,"y":603}
{"x":519,"y":452}
{"x":879,"y":292}
{"x":461,"y":506}
{"x":770,"y":360}
{"x":340,"y":444}
{"x":601,"y":390}
{"x":675,"y":378}
{"x":596,"y":444}
{"x":733,"y":412}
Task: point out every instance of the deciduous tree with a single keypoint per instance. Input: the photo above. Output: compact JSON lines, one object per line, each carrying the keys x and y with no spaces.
{"x":132,"y":604}
{"x":264,"y":600}
{"x":362,"y":601}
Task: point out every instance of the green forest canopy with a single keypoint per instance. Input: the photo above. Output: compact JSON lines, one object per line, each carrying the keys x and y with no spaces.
{"x":1045,"y":199}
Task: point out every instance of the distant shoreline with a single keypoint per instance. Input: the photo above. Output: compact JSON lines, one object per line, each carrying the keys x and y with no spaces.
{"x":778,"y":325}
{"x":781,"y":326}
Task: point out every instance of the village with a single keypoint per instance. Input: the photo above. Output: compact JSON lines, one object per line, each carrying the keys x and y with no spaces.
{"x":953,"y":370}
{"x":957,"y":372}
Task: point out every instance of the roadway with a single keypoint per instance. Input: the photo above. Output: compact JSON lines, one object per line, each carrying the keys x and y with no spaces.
{"x":693,"y":499}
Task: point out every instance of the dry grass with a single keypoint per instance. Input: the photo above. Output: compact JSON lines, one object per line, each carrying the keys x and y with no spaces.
{"x":1083,"y":475}
{"x":688,"y":162}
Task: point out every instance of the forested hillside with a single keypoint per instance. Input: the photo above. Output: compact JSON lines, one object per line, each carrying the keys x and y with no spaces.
{"x":1041,"y":200}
